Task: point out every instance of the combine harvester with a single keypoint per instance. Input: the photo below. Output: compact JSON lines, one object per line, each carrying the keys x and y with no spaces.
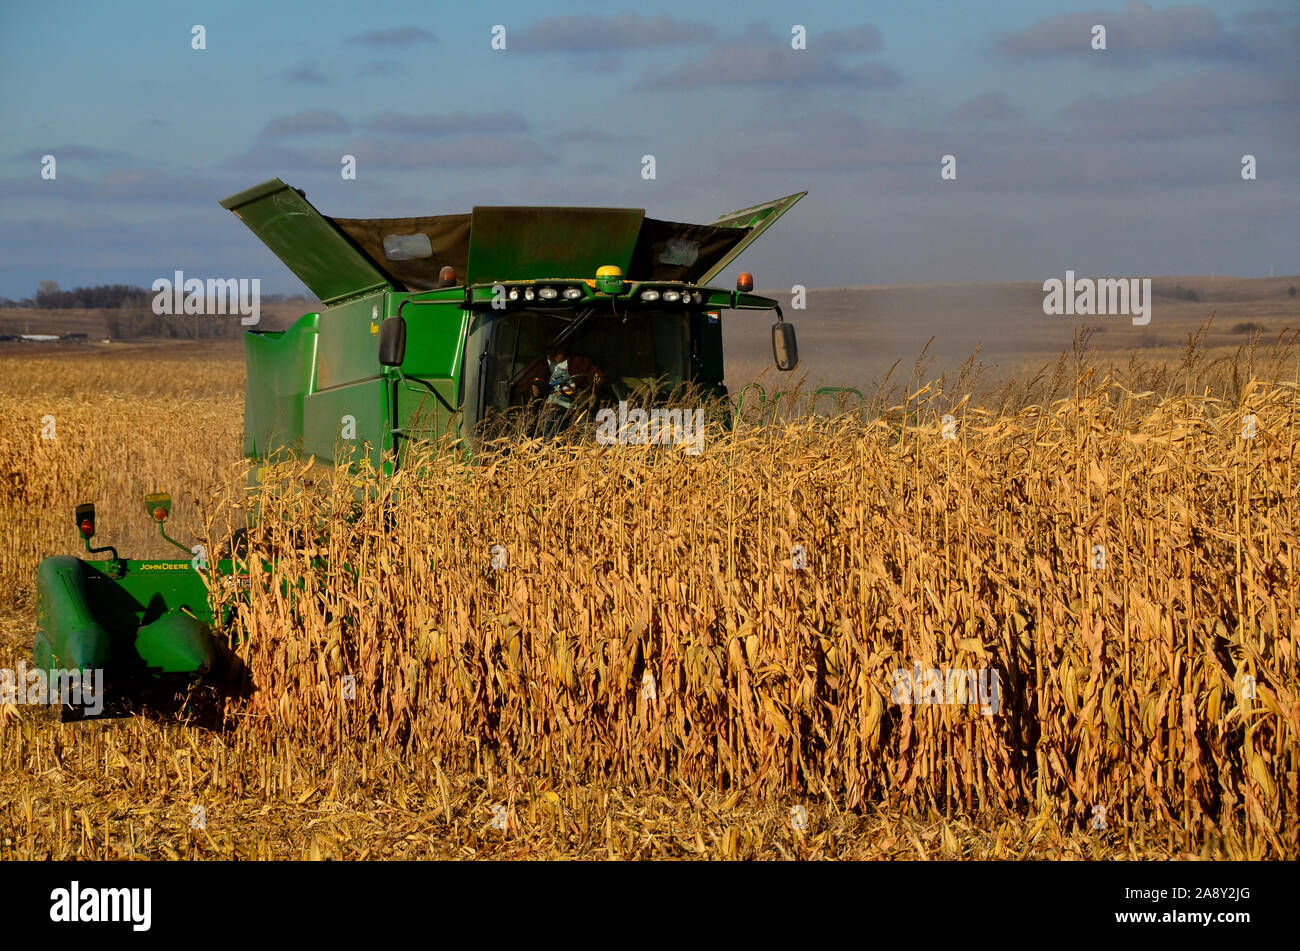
{"x":428,"y":328}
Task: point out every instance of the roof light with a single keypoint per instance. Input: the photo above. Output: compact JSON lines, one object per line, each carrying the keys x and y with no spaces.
{"x":529,"y":293}
{"x":609,"y":279}
{"x":745,"y":282}
{"x":573,"y":293}
{"x":650,"y":295}
{"x":548,"y":293}
{"x":671,"y":296}
{"x":514,"y":293}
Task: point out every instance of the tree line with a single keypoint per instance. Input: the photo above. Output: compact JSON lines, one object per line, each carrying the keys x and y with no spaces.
{"x":128,"y":311}
{"x":49,"y":296}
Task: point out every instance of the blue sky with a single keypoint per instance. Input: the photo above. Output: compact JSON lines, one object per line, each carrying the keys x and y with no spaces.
{"x":1119,"y":162}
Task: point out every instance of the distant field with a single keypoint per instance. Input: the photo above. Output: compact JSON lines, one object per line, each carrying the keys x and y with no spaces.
{"x":851,"y":336}
{"x":275,"y":315}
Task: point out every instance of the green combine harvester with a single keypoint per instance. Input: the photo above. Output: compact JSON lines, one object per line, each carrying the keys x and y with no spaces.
{"x":430,"y":327}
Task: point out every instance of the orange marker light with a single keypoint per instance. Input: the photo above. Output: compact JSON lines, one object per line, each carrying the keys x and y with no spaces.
{"x":745,"y":282}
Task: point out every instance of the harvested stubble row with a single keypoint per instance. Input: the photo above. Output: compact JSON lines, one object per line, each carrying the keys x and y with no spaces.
{"x":650,"y":625}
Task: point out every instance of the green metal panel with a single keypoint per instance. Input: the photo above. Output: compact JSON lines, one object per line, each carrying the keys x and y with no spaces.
{"x":708,"y":346}
{"x":90,"y":617}
{"x":313,"y":248}
{"x":366,"y":403}
{"x":70,"y":636}
{"x":281,"y":372}
{"x":162,"y":585}
{"x":349,"y":342}
{"x":421,"y":415}
{"x":176,"y":644}
{"x":435,"y":339}
{"x":753,"y":302}
{"x":522,"y":243}
{"x":758,"y":219}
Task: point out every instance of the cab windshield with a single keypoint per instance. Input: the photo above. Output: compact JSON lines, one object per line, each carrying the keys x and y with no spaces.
{"x":582,"y":359}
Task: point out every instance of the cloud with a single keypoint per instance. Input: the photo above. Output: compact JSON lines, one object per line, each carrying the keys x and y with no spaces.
{"x":1137,"y":35}
{"x":133,"y":185}
{"x":282,"y":160}
{"x":586,"y":135}
{"x":1209,"y":102}
{"x":95,"y":248}
{"x":841,"y":141}
{"x":311,"y":122}
{"x":760,"y":58}
{"x":397,"y":36}
{"x":455,"y":123}
{"x":484,"y":150}
{"x":854,"y":39}
{"x":381,"y":67}
{"x":304,"y":73}
{"x":149,"y":184}
{"x":72,"y":151}
{"x":986,"y":107}
{"x":1257,"y":19}
{"x":1023,"y":159}
{"x":596,"y":63}
{"x":467,"y":151}
{"x":603,"y":34}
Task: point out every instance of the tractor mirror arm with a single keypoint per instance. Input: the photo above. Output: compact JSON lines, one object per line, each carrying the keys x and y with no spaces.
{"x":106,"y":548}
{"x":163,"y":532}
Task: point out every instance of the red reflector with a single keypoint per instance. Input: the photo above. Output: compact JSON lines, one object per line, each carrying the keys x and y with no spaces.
{"x":159,"y":514}
{"x":87,"y":527}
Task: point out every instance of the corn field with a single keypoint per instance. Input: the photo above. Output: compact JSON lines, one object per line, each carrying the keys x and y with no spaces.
{"x":574,"y":617}
{"x":643,"y":614}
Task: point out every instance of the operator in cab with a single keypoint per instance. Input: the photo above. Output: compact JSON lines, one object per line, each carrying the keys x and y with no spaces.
{"x":557,"y":378}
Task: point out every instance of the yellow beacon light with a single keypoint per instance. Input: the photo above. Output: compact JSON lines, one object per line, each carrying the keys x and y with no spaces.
{"x":609,"y":279}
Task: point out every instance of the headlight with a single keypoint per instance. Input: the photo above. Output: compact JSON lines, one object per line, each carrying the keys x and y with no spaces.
{"x":649,"y":295}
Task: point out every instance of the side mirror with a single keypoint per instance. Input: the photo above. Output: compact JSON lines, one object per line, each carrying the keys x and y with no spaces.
{"x":785,"y":349}
{"x":392,"y":342}
{"x":158,"y":505}
{"x":85,"y":516}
